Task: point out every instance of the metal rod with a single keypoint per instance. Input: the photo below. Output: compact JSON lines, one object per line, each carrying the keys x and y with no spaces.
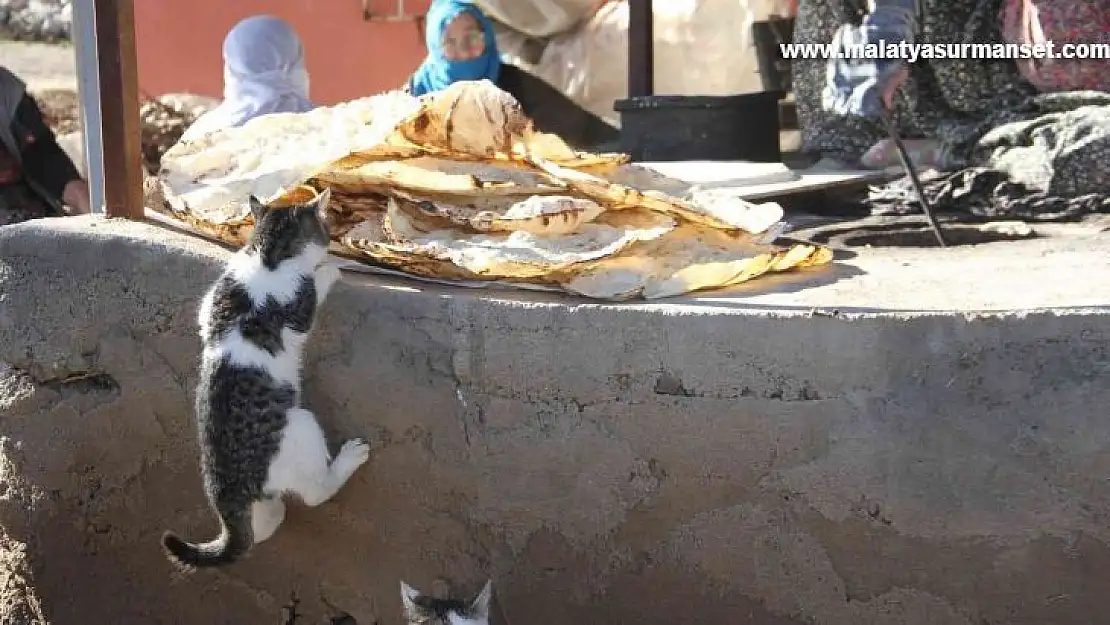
{"x":119,"y":102}
{"x":907,"y":164}
{"x":641,"y":49}
{"x":88,"y":90}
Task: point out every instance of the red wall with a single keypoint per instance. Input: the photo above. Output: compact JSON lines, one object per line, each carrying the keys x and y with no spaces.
{"x":179,"y":43}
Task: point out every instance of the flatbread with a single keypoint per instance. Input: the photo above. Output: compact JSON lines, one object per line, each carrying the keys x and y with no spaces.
{"x":439,"y":177}
{"x":520,"y":254}
{"x":689,"y":259}
{"x":472,"y":117}
{"x":736,"y":214}
{"x":458,"y":185}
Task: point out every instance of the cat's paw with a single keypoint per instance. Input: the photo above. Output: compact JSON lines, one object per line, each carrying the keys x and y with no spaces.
{"x":328,"y":273}
{"x":354,"y":453}
{"x":326,"y":276}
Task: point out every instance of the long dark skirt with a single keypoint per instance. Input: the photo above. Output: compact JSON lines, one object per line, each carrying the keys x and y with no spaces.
{"x":18,"y":203}
{"x":1010,"y":150}
{"x":946,"y":99}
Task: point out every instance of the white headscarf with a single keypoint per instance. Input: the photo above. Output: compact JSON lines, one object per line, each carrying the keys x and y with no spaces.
{"x":264,"y":72}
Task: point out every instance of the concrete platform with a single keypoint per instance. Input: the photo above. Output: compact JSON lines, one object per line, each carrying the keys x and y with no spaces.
{"x":920,"y":439}
{"x":1067,"y":270}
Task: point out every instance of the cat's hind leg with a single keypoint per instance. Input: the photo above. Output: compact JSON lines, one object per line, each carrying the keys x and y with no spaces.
{"x":303,"y":465}
{"x":266,"y":515}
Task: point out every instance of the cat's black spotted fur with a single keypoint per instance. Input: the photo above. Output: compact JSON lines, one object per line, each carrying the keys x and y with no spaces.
{"x":256,"y":442}
{"x":262,"y":325}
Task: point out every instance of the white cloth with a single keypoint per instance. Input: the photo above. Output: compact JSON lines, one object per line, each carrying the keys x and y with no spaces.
{"x":264,"y":72}
{"x":539,"y":18}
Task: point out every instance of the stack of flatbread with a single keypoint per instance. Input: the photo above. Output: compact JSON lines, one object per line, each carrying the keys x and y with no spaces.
{"x":458,"y":185}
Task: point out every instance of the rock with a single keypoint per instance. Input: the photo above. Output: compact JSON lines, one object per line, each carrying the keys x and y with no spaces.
{"x":19,"y":604}
{"x":163,"y":121}
{"x":37,"y":20}
{"x":61,"y":108}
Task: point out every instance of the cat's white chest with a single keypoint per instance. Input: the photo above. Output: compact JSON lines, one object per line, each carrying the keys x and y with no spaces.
{"x":264,"y":286}
{"x":280,"y":284}
{"x":284,"y":366}
{"x":204,"y":313}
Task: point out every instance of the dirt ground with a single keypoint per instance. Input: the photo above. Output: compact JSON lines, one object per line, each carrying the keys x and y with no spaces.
{"x":50,"y":72}
{"x":163,"y":120}
{"x":61,"y":108}
{"x":18,"y":603}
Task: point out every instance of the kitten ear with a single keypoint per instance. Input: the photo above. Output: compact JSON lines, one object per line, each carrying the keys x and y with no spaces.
{"x":322,"y":201}
{"x":480,"y":608}
{"x":258,"y":209}
{"x":408,"y":599}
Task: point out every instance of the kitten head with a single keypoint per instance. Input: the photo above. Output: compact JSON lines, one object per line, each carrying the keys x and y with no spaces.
{"x":289,"y":232}
{"x":421,"y":609}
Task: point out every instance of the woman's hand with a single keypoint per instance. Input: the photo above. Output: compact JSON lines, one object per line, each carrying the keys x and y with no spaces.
{"x":76,"y":197}
{"x":864,"y":86}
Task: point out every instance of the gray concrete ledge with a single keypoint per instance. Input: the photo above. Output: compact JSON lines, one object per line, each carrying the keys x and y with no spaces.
{"x":712,"y":460}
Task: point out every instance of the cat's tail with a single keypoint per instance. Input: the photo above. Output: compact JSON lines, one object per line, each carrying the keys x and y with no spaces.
{"x":234,"y":540}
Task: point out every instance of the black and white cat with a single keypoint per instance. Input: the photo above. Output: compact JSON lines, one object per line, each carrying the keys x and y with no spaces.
{"x":425,"y":610}
{"x":257,"y":443}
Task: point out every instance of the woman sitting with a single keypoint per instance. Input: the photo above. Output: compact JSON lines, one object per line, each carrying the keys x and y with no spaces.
{"x":37,"y":178}
{"x":461,"y":46}
{"x":1010,"y":149}
{"x":264,"y":72}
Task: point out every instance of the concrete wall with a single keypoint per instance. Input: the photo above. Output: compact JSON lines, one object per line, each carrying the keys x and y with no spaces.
{"x":620,"y":464}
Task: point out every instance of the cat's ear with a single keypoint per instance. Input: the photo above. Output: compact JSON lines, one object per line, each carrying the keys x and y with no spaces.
{"x":321,"y":203}
{"x":480,"y":608}
{"x":408,"y":599}
{"x":258,"y":209}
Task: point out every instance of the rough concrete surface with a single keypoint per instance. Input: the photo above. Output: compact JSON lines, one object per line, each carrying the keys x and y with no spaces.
{"x":651,"y":464}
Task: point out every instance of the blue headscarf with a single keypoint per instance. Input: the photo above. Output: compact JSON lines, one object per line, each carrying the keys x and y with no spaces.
{"x":437,"y":72}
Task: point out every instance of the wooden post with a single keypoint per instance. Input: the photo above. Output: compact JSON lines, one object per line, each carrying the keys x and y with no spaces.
{"x":641,"y":49}
{"x":119,"y":104}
